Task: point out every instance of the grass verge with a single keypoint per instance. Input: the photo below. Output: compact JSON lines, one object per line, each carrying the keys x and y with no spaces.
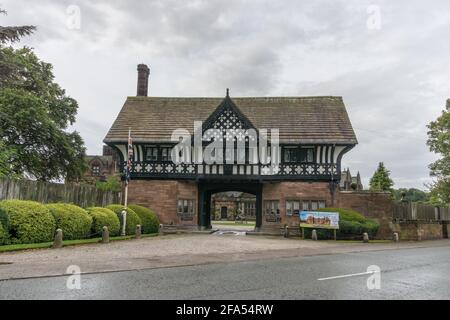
{"x":66,"y":243}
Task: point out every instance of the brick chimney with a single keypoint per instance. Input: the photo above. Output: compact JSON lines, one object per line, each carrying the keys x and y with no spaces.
{"x":142,"y":84}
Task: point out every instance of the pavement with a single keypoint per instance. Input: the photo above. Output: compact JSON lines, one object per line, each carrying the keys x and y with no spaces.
{"x":414,"y":273}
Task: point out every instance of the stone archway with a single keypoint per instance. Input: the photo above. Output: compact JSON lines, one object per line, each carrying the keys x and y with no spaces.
{"x":207,"y":188}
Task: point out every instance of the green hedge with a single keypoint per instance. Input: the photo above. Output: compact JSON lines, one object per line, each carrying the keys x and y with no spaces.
{"x":74,"y":221}
{"x":352,"y":225}
{"x":29,"y":221}
{"x":4,"y":236}
{"x":4,"y":219}
{"x":132,"y":218}
{"x":150,"y":222}
{"x":104,"y":217}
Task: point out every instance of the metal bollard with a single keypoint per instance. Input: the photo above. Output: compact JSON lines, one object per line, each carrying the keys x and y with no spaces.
{"x":138,"y":232}
{"x":58,"y":241}
{"x":395,"y":237}
{"x":314,"y":235}
{"x":365,"y":237}
{"x":105,"y":235}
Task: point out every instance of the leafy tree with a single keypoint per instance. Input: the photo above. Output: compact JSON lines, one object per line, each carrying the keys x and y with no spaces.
{"x":412,"y":195}
{"x":380,"y":180}
{"x":112,"y":183}
{"x":35,"y":114}
{"x":13,"y":34}
{"x":439,"y":142}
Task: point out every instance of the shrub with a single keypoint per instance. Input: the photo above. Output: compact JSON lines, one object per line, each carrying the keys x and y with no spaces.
{"x":29,"y":221}
{"x":132,"y":218}
{"x":352,"y":225}
{"x":74,"y":221}
{"x":3,"y":235}
{"x":150,"y":222}
{"x":104,"y":217}
{"x":4,"y":219}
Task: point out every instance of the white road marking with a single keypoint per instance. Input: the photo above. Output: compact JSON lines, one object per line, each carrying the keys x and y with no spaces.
{"x":347,"y":275}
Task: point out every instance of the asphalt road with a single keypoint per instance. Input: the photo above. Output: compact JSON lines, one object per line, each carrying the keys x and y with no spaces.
{"x":420,"y":273}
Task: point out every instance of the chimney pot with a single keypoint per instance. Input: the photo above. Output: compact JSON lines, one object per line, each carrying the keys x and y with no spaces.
{"x":142,"y":84}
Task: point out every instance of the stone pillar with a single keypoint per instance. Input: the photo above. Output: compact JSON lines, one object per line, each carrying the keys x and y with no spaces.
{"x":105,"y":235}
{"x":58,"y":241}
{"x":314,"y":235}
{"x":365,"y":237}
{"x":138,"y":232}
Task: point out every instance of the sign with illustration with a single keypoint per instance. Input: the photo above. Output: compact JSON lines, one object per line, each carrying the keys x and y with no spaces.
{"x":323,"y":220}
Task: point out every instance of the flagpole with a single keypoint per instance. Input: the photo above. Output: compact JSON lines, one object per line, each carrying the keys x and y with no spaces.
{"x":127,"y":178}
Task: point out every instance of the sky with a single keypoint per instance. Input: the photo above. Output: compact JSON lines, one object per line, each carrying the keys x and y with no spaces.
{"x":389,"y":60}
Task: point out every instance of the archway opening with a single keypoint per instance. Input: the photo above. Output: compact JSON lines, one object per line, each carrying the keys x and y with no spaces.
{"x":233,"y":210}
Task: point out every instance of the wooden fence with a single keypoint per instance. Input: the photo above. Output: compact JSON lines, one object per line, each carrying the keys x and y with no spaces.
{"x":419,"y":211}
{"x":45,"y":192}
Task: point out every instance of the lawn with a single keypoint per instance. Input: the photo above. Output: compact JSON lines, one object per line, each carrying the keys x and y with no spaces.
{"x":66,"y":243}
{"x":232,"y":223}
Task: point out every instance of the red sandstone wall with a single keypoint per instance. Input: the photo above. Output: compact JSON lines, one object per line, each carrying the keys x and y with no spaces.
{"x":374,"y":205}
{"x":283,"y":191}
{"x":162,"y":196}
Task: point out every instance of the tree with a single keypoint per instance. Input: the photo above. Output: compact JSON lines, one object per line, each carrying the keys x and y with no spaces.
{"x":112,"y":183}
{"x":412,"y":195}
{"x":13,"y":34}
{"x":439,"y":142}
{"x":380,"y":180}
{"x":35,"y":114}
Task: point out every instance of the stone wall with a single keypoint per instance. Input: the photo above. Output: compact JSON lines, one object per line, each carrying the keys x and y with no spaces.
{"x":162,"y":196}
{"x":373,"y":205}
{"x":418,"y":231}
{"x":283,"y":191}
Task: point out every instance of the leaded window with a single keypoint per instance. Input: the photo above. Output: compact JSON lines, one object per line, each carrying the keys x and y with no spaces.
{"x":186,"y":209}
{"x":151,"y":154}
{"x":292,"y":207}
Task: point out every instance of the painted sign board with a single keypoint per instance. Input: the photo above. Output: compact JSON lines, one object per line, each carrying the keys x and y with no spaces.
{"x":319,"y":220}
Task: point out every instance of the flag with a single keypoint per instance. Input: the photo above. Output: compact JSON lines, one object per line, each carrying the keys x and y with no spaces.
{"x":130,"y":158}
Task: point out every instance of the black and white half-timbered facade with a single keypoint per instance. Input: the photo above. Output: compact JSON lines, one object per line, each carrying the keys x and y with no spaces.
{"x":287,"y":151}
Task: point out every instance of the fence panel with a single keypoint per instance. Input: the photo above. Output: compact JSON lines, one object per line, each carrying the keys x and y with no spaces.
{"x":46,"y":192}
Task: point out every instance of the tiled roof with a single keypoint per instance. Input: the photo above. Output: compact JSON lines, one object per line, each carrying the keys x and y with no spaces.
{"x":299,"y":119}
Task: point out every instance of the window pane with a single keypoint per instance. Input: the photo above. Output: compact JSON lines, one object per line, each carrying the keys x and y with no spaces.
{"x":305,"y":205}
{"x":322,"y":204}
{"x":310,"y":155}
{"x":314,"y":205}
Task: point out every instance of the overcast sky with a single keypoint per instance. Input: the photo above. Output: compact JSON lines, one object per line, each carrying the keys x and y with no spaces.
{"x":390,"y":60}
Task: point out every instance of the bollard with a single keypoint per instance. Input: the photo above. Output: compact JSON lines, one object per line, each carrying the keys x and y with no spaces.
{"x":105,"y":235}
{"x":314,"y":235}
{"x":138,"y":232}
{"x":365,"y":237}
{"x":161,"y":231}
{"x":395,"y":237}
{"x":286,"y":231}
{"x":58,"y":241}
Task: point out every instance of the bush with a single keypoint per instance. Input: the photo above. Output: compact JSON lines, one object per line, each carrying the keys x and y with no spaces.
{"x":4,"y":219}
{"x":132,"y":218}
{"x":29,"y":221}
{"x":352,"y":225}
{"x":150,"y":222}
{"x":4,"y":236}
{"x":104,"y":217}
{"x":74,"y":221}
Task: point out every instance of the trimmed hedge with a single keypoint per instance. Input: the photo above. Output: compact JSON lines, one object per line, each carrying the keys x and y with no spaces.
{"x":3,"y":235}
{"x":4,"y":219}
{"x":104,"y":217}
{"x":352,"y":225}
{"x":29,"y":221}
{"x":74,"y":221}
{"x":132,"y":218}
{"x":150,"y":222}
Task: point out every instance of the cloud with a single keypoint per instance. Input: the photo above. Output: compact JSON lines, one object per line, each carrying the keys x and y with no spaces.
{"x":394,"y":80}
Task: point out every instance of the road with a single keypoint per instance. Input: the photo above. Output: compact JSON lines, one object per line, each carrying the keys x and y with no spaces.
{"x":416,"y":273}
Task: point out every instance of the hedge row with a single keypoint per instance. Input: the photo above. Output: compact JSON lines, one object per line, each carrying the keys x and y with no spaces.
{"x":352,"y":225}
{"x":32,"y":222}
